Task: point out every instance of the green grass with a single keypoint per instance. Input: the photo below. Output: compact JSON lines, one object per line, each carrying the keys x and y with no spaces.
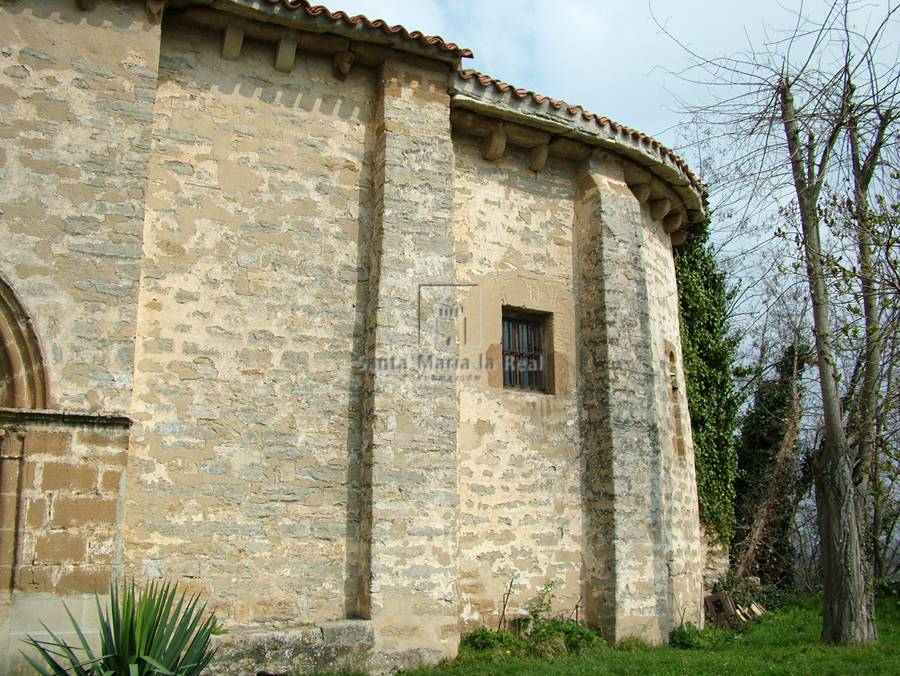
{"x":781,"y":642}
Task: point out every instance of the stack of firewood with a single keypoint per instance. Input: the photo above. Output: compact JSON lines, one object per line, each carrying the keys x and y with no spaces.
{"x":723,"y":612}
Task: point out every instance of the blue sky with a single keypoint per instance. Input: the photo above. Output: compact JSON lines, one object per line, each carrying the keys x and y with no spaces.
{"x":612,"y":57}
{"x":606,"y":55}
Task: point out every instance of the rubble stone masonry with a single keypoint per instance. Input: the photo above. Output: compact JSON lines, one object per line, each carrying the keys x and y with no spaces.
{"x":253,"y":279}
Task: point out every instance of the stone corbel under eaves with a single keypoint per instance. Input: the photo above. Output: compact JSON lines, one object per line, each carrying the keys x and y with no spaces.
{"x":286,"y":41}
{"x":497,"y":135}
{"x":664,"y":202}
{"x":571,"y":138}
{"x":278,"y":17}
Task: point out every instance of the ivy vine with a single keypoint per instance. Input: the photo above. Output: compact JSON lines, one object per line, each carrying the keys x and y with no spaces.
{"x":709,"y":351}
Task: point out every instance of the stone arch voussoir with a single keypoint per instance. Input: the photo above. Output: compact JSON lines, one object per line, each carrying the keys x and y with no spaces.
{"x":23,"y":375}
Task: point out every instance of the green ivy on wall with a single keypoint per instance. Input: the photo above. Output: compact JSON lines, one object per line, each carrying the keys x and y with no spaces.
{"x":709,"y":354}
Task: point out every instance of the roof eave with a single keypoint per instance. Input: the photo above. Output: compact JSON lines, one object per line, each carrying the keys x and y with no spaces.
{"x":470,"y":94}
{"x":282,"y":15}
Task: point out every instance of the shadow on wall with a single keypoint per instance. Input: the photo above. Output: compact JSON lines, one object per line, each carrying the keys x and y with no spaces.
{"x":191,"y":63}
{"x":122,"y":15}
{"x":360,"y":403}
{"x":283,"y":91}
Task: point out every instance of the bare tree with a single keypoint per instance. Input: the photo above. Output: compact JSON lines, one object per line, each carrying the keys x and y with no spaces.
{"x":813,"y":108}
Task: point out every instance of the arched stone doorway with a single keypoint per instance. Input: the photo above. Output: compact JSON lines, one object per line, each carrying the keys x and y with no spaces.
{"x":23,"y":379}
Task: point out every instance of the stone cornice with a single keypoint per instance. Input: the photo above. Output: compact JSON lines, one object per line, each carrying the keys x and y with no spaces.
{"x":571,"y":122}
{"x":355,"y":28}
{"x":20,"y":415}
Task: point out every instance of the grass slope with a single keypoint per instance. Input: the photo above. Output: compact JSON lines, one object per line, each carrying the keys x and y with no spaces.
{"x":782,"y":642}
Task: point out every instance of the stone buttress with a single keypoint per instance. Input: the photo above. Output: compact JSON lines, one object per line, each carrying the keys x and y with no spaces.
{"x":255,"y":261}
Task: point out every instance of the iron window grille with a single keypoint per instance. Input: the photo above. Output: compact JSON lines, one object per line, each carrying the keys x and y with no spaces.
{"x":525,"y":350}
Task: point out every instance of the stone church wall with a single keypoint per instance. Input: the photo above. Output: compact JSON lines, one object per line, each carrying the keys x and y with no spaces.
{"x":76,"y":104}
{"x":76,"y":110}
{"x":246,"y":403}
{"x":519,"y":454}
{"x":679,"y":517}
{"x":234,"y":274}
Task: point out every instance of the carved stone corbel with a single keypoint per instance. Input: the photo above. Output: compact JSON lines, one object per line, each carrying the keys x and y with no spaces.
{"x":679,"y":237}
{"x":343,"y":62}
{"x":494,"y":144}
{"x":659,"y":208}
{"x":285,"y":53}
{"x":155,"y":10}
{"x":232,"y":40}
{"x":539,"y":156}
{"x":641,"y":191}
{"x":673,"y":221}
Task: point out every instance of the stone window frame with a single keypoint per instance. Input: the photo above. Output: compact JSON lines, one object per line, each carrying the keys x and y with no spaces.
{"x":539,"y":329}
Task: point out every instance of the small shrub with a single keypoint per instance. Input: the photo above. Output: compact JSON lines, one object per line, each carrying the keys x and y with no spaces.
{"x":538,"y":634}
{"x":579,"y":638}
{"x":482,"y":639}
{"x":540,"y":606}
{"x":141,"y":633}
{"x":558,"y":637}
{"x":688,"y":636}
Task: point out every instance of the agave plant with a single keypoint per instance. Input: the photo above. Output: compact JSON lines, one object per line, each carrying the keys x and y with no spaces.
{"x":141,"y":633}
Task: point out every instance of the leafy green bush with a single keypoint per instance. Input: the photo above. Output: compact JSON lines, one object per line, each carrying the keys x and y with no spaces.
{"x":481,"y":638}
{"x":685,"y":636}
{"x":141,"y":633}
{"x":557,"y":637}
{"x":539,"y":634}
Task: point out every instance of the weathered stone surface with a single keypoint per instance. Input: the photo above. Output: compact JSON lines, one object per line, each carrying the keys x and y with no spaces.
{"x":331,"y":646}
{"x":641,"y":516}
{"x":290,"y":275}
{"x":258,"y":191}
{"x":519,"y":452}
{"x":76,"y":99}
{"x":65,"y":524}
{"x":413,"y":454}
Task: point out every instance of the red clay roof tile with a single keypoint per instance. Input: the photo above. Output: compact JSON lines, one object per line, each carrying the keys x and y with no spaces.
{"x":575,"y":111}
{"x":376,"y":25}
{"x":339,"y":17}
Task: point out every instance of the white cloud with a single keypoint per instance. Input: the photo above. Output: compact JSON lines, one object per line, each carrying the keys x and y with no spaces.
{"x":606,"y":55}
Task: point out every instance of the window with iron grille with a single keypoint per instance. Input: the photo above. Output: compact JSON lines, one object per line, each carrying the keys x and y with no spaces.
{"x":525,"y":336}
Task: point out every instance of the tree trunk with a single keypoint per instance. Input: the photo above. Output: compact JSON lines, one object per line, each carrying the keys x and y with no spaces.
{"x":781,"y":476}
{"x":846,"y":617}
{"x":866,"y":460}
